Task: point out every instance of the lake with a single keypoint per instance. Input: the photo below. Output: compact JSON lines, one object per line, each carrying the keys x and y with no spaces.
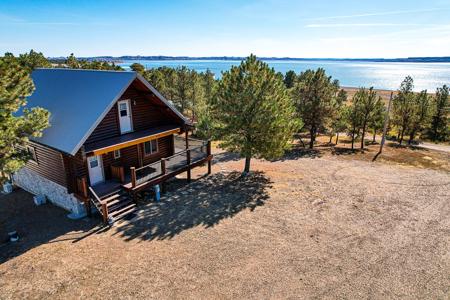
{"x":380,"y":75}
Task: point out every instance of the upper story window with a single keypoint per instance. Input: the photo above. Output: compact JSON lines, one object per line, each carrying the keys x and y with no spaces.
{"x":124,"y":109}
{"x":32,"y":152}
{"x":151,"y":147}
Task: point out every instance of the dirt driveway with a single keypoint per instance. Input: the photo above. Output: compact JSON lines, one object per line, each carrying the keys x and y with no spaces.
{"x":309,"y":227}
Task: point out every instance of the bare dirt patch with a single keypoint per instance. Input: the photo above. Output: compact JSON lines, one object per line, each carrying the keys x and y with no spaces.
{"x":317,"y":225}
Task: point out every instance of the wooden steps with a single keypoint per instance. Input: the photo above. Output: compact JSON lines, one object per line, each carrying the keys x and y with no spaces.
{"x":115,"y":206}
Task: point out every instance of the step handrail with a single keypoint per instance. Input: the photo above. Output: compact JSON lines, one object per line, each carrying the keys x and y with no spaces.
{"x":104,"y":210}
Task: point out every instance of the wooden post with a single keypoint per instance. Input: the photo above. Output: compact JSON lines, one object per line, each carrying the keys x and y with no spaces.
{"x":186,"y":137}
{"x":208,"y":153}
{"x":163,"y":166}
{"x":188,"y":162}
{"x":87,"y":206}
{"x":133,"y":176}
{"x":122,"y":174}
{"x":386,"y":121}
{"x":105,"y":213}
{"x":87,"y":201}
{"x":84,"y":189}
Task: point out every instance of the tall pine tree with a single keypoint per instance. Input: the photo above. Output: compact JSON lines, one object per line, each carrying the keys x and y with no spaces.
{"x":440,"y":119}
{"x":16,"y":128}
{"x":314,"y":94}
{"x":254,"y":112}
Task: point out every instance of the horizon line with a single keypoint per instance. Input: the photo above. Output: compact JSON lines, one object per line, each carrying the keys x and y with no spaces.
{"x":232,"y":57}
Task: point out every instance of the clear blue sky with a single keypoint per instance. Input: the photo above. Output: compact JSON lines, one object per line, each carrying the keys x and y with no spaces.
{"x":227,"y":27}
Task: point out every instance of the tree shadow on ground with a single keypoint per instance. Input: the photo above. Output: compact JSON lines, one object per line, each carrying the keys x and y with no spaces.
{"x":406,"y":146}
{"x":37,"y":225}
{"x":226,"y":156}
{"x":345,"y":151}
{"x":202,"y":203}
{"x":298,"y":152}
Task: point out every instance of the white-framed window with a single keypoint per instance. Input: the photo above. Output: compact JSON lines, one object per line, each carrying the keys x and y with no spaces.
{"x":32,"y":152}
{"x":117,"y":154}
{"x":151,"y":147}
{"x":123,"y":109}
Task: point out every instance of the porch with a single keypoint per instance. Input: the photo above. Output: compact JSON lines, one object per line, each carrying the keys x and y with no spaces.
{"x":126,"y":182}
{"x":139,"y":178}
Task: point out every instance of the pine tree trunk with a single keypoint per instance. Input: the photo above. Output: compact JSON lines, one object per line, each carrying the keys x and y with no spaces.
{"x":411,"y":137}
{"x":353,"y":138}
{"x":247,"y":164}
{"x":331,"y":138}
{"x":337,"y":138}
{"x":374,"y":136}
{"x":401,"y":136}
{"x":312,"y":134}
{"x":362,"y":136}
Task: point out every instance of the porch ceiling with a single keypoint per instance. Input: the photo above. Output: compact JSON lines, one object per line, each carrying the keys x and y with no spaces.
{"x":130,"y":139}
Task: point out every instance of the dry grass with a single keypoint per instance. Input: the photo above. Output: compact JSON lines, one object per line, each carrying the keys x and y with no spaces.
{"x":392,"y":153}
{"x":384,"y":94}
{"x":313,"y":225}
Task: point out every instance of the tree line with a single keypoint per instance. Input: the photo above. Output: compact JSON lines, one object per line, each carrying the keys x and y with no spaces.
{"x":253,"y":109}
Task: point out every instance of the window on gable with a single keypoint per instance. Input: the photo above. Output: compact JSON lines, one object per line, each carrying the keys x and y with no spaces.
{"x":151,"y":147}
{"x":32,"y":153}
{"x":116,"y":154}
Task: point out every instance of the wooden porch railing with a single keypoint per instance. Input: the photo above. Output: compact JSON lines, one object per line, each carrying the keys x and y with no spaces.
{"x":171,"y":164}
{"x":100,"y":204}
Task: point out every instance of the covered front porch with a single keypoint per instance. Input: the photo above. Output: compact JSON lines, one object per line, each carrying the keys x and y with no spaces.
{"x":135,"y":172}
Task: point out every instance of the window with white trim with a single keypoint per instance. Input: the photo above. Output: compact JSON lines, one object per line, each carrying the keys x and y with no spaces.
{"x":151,"y":147}
{"x":117,"y":154}
{"x":32,"y":152}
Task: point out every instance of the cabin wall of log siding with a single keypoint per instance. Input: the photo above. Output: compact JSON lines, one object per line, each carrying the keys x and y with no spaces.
{"x":76,"y":166}
{"x":145,"y":114}
{"x":165,"y":149}
{"x":50,"y":164}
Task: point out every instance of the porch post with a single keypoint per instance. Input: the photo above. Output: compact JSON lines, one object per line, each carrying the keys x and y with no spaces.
{"x":186,"y":138}
{"x":188,"y":160}
{"x":133,"y":176}
{"x":208,"y":153}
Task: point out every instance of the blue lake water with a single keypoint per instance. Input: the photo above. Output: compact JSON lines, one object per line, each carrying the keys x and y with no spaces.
{"x":380,"y":75}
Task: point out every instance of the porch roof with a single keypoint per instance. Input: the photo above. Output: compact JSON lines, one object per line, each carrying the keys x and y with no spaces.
{"x":130,"y":139}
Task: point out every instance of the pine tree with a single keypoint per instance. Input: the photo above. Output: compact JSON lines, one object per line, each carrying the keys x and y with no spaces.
{"x":137,"y":67}
{"x":367,"y":104}
{"x":440,"y":119}
{"x":420,"y":114}
{"x":205,"y":120}
{"x":33,"y":60}
{"x":289,"y":79}
{"x":314,"y":95}
{"x":16,"y":127}
{"x":402,"y":107}
{"x":352,"y":115}
{"x":72,"y":62}
{"x":376,"y":123}
{"x":183,"y":89}
{"x":337,"y":122}
{"x":254,"y":112}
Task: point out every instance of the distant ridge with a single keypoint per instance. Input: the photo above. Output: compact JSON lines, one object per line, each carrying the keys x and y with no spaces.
{"x":162,"y":57}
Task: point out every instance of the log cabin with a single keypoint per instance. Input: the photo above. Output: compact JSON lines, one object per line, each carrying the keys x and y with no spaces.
{"x":112,"y":135}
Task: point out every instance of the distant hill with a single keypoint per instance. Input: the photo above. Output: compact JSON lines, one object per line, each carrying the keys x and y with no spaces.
{"x":162,"y":57}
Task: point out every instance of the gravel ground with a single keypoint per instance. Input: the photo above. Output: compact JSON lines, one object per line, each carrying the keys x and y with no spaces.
{"x":312,"y":227}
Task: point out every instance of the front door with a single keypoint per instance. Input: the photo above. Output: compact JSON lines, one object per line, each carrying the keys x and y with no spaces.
{"x":95,"y":169}
{"x":124,"y":116}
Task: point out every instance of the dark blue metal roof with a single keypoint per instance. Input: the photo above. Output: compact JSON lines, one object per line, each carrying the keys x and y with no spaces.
{"x":77,"y":101}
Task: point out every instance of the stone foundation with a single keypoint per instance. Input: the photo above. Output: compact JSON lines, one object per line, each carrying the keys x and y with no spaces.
{"x":55,"y":193}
